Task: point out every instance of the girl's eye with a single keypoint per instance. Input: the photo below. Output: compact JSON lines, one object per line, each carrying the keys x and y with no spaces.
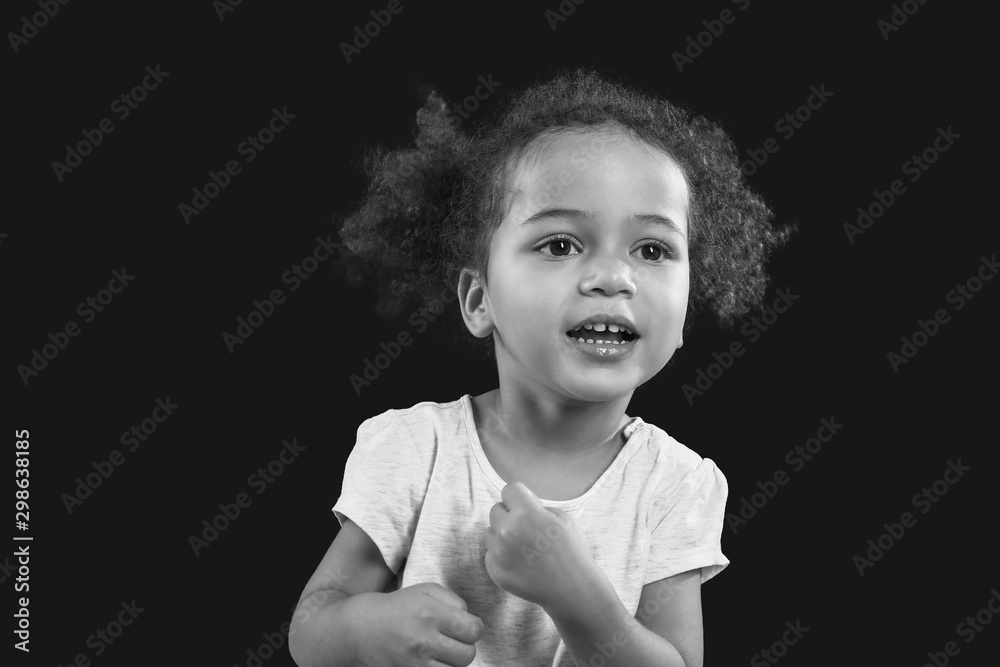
{"x":557,"y":247}
{"x":655,"y":252}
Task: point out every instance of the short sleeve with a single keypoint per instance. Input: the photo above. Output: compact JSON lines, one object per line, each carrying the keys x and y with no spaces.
{"x":385,"y":481}
{"x":686,"y":526}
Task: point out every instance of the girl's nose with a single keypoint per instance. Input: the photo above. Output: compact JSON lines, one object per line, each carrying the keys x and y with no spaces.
{"x":608,"y":276}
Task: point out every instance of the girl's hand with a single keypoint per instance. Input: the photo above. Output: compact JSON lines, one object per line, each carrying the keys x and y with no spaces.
{"x":424,"y":625}
{"x":537,"y":553}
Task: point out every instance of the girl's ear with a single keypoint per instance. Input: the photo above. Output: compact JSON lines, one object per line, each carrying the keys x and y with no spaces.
{"x":474,"y":304}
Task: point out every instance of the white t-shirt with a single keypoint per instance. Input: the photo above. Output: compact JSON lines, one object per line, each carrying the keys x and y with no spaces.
{"x":419,"y":484}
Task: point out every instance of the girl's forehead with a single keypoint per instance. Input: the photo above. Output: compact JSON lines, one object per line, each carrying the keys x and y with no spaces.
{"x":594,"y":165}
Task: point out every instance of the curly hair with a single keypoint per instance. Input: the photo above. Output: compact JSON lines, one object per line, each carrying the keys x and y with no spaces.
{"x":431,"y":210}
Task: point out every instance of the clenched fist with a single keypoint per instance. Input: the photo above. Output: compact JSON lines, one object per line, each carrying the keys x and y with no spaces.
{"x":537,"y":553}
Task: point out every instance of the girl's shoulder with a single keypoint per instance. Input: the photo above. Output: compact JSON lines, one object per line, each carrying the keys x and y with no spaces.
{"x":676,"y":463}
{"x":407,"y":439}
{"x":419,"y":419}
{"x":425,"y":410}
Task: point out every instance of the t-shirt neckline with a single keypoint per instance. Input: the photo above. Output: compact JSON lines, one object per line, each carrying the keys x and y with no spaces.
{"x":636,"y":432}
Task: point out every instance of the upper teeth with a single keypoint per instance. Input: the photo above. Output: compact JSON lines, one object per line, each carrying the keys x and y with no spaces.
{"x":614,"y":328}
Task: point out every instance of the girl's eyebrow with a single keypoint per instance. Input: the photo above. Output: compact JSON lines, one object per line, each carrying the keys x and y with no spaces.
{"x":638,"y":218}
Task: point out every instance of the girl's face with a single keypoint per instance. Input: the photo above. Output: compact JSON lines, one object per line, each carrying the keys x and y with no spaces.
{"x":595,"y":240}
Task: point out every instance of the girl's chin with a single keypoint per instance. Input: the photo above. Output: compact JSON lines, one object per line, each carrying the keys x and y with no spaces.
{"x":599,"y":392}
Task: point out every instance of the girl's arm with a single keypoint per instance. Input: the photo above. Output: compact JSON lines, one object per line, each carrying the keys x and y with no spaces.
{"x":324,"y":624}
{"x":665,"y":632}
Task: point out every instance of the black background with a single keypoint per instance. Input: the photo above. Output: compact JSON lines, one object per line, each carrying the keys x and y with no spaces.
{"x":162,"y":336}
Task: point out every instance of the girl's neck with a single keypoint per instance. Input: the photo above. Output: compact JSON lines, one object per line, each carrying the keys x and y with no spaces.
{"x":546,"y":427}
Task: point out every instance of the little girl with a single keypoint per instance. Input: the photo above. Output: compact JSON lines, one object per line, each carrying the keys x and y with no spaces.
{"x":538,"y":523}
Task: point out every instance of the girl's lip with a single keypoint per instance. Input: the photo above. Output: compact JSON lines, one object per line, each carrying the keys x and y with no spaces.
{"x":603,"y":351}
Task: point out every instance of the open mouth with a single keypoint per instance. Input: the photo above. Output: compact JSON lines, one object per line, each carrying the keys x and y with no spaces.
{"x":609,"y":334}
